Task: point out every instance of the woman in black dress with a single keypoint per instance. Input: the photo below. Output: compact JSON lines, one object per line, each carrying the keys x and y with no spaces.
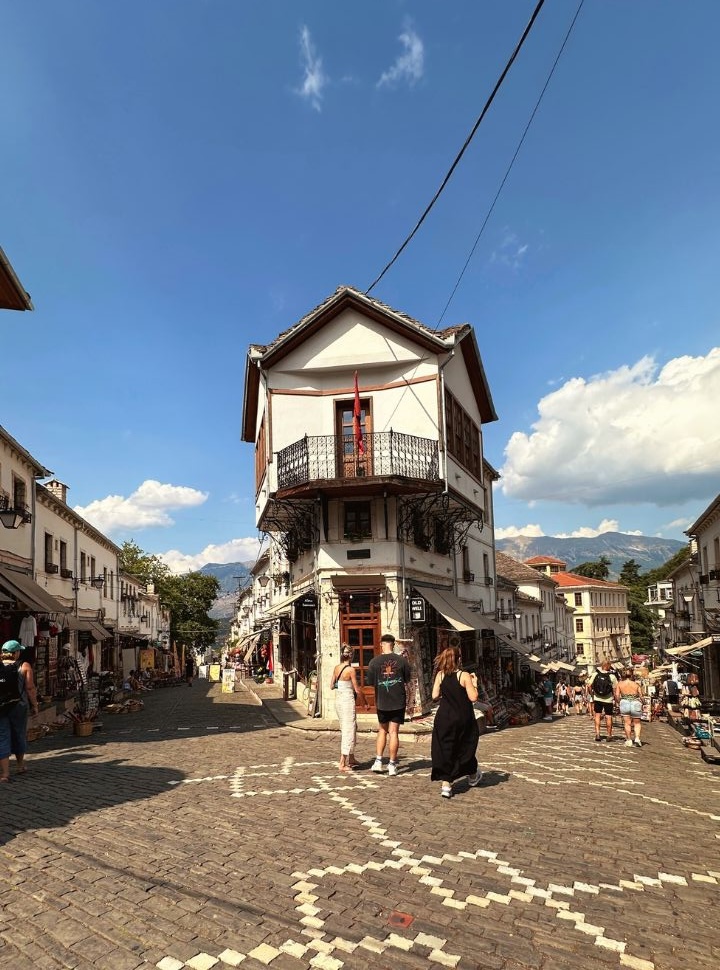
{"x":455,"y":731}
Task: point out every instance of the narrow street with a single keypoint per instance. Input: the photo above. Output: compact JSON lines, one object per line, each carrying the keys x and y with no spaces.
{"x":199,"y":833}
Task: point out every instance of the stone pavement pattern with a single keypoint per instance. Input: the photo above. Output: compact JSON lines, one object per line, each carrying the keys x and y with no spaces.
{"x":199,"y":833}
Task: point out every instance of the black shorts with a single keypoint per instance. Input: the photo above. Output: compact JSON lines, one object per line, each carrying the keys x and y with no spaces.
{"x":603,"y":707}
{"x":394,"y":717}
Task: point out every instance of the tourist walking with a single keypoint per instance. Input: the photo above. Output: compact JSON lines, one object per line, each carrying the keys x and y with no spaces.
{"x":189,"y":670}
{"x":602,"y":686}
{"x":13,"y":733}
{"x":562,"y":695}
{"x":547,"y":688}
{"x":629,"y":696}
{"x":388,"y":673}
{"x":453,"y":749}
{"x":344,"y":682}
{"x":578,"y":698}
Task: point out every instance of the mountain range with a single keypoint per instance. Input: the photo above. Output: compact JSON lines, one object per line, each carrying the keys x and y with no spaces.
{"x":649,"y":552}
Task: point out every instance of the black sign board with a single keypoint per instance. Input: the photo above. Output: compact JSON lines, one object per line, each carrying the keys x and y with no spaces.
{"x":416,"y":608}
{"x":308,"y":602}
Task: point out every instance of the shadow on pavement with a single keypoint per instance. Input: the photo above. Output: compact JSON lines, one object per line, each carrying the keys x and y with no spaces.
{"x":71,"y":784}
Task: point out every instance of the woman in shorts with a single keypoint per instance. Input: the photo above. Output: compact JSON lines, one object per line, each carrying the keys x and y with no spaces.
{"x":629,"y":697}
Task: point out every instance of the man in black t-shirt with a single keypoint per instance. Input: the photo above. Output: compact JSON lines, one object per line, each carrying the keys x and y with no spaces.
{"x":388,"y":673}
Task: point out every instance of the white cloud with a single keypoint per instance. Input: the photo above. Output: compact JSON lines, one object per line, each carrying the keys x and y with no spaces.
{"x":512,"y":531}
{"x":511,"y":252}
{"x":583,"y":532}
{"x":148,"y":506}
{"x":314,"y":79}
{"x":410,"y":64}
{"x":633,"y":435}
{"x":682,"y":524}
{"x":236,"y":550}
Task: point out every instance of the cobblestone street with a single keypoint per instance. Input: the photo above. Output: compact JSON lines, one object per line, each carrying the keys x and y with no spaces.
{"x":199,"y":833}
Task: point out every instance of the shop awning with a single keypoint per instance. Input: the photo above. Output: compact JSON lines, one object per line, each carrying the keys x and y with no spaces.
{"x":283,"y":606}
{"x":252,"y":639}
{"x":457,"y":613}
{"x":516,"y":646}
{"x":358,"y":582}
{"x":689,"y":647}
{"x":97,"y":631}
{"x":22,"y":587}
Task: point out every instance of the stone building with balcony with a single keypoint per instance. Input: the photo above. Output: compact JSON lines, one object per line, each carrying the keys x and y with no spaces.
{"x":371,"y":484}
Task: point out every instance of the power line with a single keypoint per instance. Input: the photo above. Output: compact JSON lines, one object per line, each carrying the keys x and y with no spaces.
{"x":512,"y":162}
{"x":469,"y":138}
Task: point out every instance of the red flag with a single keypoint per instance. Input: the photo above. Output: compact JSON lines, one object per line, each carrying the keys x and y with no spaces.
{"x":357,"y":426}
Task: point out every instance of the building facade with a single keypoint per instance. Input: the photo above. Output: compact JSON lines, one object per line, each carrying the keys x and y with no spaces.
{"x":371,"y":484}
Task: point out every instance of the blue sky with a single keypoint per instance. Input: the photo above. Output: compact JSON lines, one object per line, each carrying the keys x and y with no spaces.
{"x":184,"y":177}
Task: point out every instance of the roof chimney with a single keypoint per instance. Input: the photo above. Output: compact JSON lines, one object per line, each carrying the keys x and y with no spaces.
{"x":58,"y":489}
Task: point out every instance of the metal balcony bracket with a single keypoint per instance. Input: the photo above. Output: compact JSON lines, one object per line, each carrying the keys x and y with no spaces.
{"x":422,"y":518}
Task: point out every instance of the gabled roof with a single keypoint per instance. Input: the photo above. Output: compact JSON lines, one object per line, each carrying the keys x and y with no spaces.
{"x":12,"y":294}
{"x":545,"y":560}
{"x":262,"y":357}
{"x":519,"y":572}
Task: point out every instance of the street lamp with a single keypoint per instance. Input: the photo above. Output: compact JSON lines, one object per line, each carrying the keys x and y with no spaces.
{"x":11,"y":518}
{"x":688,"y":597}
{"x":97,"y":582}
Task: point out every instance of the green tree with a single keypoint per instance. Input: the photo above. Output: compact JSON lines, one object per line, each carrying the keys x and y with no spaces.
{"x":189,"y":599}
{"x":594,"y":570}
{"x":630,"y":574}
{"x":145,"y":568}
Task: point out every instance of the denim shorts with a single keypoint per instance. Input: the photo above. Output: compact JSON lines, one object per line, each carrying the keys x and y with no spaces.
{"x":630,"y":706}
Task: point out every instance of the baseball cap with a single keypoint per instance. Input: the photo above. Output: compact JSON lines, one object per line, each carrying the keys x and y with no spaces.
{"x":11,"y":646}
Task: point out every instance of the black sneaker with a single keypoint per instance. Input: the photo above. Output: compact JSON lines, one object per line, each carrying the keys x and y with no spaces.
{"x":598,"y":738}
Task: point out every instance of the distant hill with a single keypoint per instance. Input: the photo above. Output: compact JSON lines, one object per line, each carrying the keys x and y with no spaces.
{"x":649,"y":552}
{"x":231,"y":576}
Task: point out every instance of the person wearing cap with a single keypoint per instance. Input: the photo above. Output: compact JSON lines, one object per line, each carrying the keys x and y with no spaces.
{"x":18,"y":715}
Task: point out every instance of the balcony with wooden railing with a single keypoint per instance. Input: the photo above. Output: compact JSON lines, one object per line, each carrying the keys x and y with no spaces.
{"x":389,"y":461}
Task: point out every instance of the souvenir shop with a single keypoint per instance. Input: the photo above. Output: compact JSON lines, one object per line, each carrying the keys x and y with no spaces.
{"x":506,"y":675}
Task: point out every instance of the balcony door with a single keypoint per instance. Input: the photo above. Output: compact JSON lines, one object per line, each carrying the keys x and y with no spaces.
{"x":354,"y":457}
{"x":360,"y":629}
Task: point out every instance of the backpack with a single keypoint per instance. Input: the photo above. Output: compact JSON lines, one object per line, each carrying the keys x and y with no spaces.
{"x":9,"y":687}
{"x":602,"y":684}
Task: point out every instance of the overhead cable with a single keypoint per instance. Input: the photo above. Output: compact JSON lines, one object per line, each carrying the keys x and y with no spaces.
{"x":512,"y":162}
{"x":469,"y":138}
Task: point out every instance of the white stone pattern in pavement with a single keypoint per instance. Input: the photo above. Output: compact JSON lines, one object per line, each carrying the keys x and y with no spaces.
{"x":570,"y":904}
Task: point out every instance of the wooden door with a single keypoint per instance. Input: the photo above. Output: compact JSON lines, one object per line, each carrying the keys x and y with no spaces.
{"x":360,"y":629}
{"x":352,"y":461}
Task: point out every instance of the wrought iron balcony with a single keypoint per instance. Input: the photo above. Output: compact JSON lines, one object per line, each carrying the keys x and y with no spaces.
{"x":386,"y":456}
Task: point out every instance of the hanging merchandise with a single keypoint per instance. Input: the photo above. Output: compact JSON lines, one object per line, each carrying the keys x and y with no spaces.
{"x":28,"y":630}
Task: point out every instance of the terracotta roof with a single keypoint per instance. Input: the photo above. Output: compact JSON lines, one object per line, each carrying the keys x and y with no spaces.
{"x":519,"y":572}
{"x":541,"y":560}
{"x":572,"y":579}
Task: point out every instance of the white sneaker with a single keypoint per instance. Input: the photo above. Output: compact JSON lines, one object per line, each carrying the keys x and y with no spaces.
{"x":474,"y":780}
{"x":628,"y":743}
{"x":446,"y":792}
{"x":377,"y":766}
{"x":392,"y":767}
{"x":638,"y":743}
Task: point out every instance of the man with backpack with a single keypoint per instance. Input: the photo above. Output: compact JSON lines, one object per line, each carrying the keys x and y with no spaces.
{"x":602,"y":686}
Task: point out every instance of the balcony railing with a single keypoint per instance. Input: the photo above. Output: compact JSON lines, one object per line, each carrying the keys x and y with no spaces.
{"x":330,"y":457}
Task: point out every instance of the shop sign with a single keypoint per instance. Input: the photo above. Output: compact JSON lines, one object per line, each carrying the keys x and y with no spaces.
{"x":308,"y":602}
{"x":416,"y":608}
